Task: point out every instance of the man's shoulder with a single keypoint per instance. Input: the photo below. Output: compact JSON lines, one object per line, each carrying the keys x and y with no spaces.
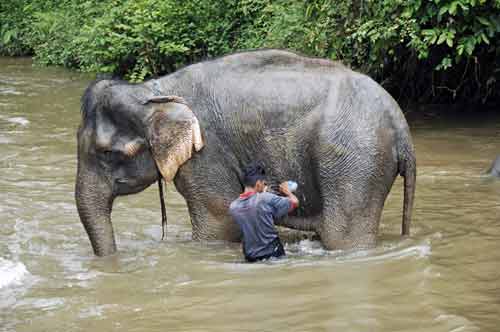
{"x":234,"y":204}
{"x":274,"y":200}
{"x":267,"y":196}
{"x":270,"y":198}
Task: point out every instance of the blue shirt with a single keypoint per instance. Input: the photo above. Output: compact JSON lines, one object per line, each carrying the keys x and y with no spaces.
{"x":255,"y":214}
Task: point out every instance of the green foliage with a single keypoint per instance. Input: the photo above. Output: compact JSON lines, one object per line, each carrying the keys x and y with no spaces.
{"x":314,"y":28}
{"x":150,"y":37}
{"x":12,"y":28}
{"x":427,"y":50}
{"x":453,"y":43}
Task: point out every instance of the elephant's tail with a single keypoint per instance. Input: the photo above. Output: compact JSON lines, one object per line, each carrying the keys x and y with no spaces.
{"x":408,"y":169}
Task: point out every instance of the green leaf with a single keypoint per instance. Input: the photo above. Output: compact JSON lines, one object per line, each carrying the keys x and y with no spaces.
{"x":483,"y":21}
{"x":453,"y":8}
{"x":428,"y":32}
{"x":443,"y":10}
{"x":7,"y":37}
{"x":442,"y":38}
{"x":449,"y":41}
{"x":445,"y":64}
{"x":470,"y":46}
{"x":485,"y":39}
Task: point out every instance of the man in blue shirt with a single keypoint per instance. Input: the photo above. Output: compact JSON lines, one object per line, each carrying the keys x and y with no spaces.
{"x":255,"y":211}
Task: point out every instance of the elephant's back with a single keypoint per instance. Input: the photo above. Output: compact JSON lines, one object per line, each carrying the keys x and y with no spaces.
{"x":272,"y":99}
{"x":268,"y":60}
{"x":265,"y":89}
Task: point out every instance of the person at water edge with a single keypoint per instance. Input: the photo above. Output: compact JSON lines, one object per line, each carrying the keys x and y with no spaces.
{"x":255,"y":212}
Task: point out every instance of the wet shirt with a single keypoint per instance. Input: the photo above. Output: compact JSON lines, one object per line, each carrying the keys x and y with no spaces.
{"x":255,"y":214}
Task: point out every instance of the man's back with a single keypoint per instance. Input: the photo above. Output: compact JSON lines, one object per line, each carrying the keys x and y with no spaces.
{"x":255,"y":214}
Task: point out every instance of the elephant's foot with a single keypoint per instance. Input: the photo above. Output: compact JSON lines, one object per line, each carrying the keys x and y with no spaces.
{"x":288,"y":235}
{"x":332,"y":240}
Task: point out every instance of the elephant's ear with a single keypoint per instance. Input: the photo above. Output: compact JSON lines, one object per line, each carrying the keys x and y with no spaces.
{"x":173,"y":132}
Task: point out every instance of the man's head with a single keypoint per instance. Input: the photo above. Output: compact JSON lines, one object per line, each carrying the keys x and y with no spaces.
{"x":254,"y":176}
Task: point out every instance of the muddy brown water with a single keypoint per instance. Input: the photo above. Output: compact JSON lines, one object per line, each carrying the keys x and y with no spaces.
{"x":446,"y":277}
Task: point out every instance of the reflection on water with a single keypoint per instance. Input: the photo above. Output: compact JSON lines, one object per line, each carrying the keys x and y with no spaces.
{"x":446,"y":277}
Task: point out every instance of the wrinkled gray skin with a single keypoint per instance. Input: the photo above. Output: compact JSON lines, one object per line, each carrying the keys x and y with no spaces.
{"x":495,"y":168}
{"x":334,"y":131}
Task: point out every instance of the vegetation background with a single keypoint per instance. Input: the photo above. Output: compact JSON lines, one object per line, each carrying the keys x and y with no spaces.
{"x":431,"y":51}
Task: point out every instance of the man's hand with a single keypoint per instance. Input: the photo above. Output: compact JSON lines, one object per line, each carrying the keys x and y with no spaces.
{"x":285,"y":191}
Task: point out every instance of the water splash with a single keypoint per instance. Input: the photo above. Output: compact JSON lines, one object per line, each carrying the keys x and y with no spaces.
{"x":306,"y":248}
{"x":385,"y":252}
{"x":307,"y":253}
{"x":388,"y":253}
{"x":19,"y":120}
{"x":11,"y":273}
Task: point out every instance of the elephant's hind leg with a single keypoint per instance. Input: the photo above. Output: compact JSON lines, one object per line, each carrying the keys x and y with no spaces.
{"x":342,"y":231}
{"x":352,"y":206}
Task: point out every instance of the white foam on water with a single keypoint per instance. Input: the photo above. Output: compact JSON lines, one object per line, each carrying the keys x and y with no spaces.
{"x":10,"y":91}
{"x":11,"y":273}
{"x":418,"y":251}
{"x":98,"y":311}
{"x":5,"y":140}
{"x":45,"y":304}
{"x":93,"y":311}
{"x":19,"y":120}
{"x":87,"y":275}
{"x":242,"y":266}
{"x":304,"y":253}
{"x":455,"y":323}
{"x":306,"y":248}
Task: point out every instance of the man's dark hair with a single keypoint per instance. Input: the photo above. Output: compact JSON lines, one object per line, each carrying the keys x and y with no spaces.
{"x":252,"y":173}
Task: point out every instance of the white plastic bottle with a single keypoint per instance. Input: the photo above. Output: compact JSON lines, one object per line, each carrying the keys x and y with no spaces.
{"x":292,"y":185}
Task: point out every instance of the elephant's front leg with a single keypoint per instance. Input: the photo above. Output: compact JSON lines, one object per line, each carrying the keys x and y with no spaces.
{"x":209,"y":189}
{"x":210,"y":219}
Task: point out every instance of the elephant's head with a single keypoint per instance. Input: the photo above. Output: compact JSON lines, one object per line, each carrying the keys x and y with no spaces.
{"x":126,"y":137}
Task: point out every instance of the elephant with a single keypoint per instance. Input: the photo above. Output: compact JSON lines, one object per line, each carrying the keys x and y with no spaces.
{"x":494,"y":170}
{"x":334,"y":131}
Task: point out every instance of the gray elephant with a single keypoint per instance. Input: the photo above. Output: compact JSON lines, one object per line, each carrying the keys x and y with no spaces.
{"x":336,"y":132}
{"x":495,"y":168}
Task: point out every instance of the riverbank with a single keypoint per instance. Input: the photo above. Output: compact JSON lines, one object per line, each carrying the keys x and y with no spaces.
{"x":422,"y":52}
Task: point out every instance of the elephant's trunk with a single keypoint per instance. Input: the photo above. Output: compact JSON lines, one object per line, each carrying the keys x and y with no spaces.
{"x":94,"y":201}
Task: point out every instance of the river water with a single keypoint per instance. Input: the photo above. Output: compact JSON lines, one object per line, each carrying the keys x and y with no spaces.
{"x":446,"y":277}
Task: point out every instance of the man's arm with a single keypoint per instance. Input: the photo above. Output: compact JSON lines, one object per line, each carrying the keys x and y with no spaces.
{"x":293,"y":199}
{"x":282,"y":205}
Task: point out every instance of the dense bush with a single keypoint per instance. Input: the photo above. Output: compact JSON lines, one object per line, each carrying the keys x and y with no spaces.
{"x":433,"y":50}
{"x":421,"y":50}
{"x":12,"y":28}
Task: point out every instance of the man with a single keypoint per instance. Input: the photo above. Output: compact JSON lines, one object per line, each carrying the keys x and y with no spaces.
{"x":255,"y":211}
